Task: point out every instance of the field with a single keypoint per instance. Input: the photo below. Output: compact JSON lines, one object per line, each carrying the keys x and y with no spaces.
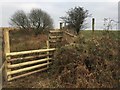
{"x":26,"y":40}
{"x":92,"y":62}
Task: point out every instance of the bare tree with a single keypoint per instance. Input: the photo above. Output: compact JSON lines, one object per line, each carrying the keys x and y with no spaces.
{"x":40,"y":19}
{"x":19,"y":19}
{"x":47,"y":21}
{"x":36,"y":19}
{"x":109,"y":24}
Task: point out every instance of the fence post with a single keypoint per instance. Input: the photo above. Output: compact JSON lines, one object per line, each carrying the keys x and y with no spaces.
{"x":93,"y":24}
{"x":6,"y":50}
{"x":61,"y":25}
{"x":48,"y":46}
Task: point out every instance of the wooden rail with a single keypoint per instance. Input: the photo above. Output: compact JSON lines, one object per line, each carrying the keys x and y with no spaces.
{"x":26,"y":74}
{"x":70,"y":34}
{"x":28,"y":63}
{"x":27,"y":69}
{"x":30,"y":57}
{"x":56,"y":31}
{"x":55,"y":37}
{"x":29,"y":52}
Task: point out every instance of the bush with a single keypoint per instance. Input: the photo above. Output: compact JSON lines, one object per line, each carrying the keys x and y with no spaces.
{"x":90,"y":63}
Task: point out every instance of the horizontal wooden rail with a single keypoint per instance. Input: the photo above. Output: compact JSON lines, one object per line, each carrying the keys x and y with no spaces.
{"x":56,"y":31}
{"x":26,"y":74}
{"x":70,"y":34}
{"x":28,"y":63}
{"x":54,"y":41}
{"x":55,"y":37}
{"x":27,"y":69}
{"x":29,"y":57}
{"x":29,"y":52}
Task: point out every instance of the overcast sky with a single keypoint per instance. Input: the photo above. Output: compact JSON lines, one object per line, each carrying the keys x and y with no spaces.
{"x":99,"y":9}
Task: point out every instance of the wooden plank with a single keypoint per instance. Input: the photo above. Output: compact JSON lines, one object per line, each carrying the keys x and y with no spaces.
{"x":52,"y":37}
{"x":29,"y":52}
{"x":54,"y":41}
{"x":56,"y":31}
{"x":70,"y":34}
{"x":26,"y":69}
{"x":30,"y":57}
{"x":28,"y":63}
{"x":26,"y":74}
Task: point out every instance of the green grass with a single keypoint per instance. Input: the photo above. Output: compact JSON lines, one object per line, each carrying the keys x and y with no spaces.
{"x":89,"y":33}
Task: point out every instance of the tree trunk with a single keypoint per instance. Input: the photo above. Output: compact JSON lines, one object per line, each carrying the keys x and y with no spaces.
{"x":77,"y":30}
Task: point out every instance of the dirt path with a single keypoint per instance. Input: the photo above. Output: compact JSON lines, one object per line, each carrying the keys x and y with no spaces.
{"x":37,"y":80}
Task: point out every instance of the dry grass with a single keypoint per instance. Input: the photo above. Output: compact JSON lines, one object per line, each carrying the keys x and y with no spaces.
{"x":26,"y":40}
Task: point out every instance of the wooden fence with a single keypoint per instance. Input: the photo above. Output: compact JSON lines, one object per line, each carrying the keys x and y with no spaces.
{"x":20,"y":64}
{"x":27,"y":62}
{"x":23,"y":63}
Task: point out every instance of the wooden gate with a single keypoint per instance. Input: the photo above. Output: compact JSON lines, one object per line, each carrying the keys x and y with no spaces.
{"x":20,"y":64}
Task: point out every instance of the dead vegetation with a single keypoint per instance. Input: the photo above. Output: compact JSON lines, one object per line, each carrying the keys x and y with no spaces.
{"x":91,"y":63}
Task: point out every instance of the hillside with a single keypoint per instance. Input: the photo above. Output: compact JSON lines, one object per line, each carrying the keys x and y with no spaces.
{"x":92,"y":62}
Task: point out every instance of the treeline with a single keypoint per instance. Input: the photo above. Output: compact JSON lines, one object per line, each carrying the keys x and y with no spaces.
{"x":39,"y":20}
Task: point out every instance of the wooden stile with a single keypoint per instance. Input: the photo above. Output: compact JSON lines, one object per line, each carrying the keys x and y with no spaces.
{"x":55,"y":37}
